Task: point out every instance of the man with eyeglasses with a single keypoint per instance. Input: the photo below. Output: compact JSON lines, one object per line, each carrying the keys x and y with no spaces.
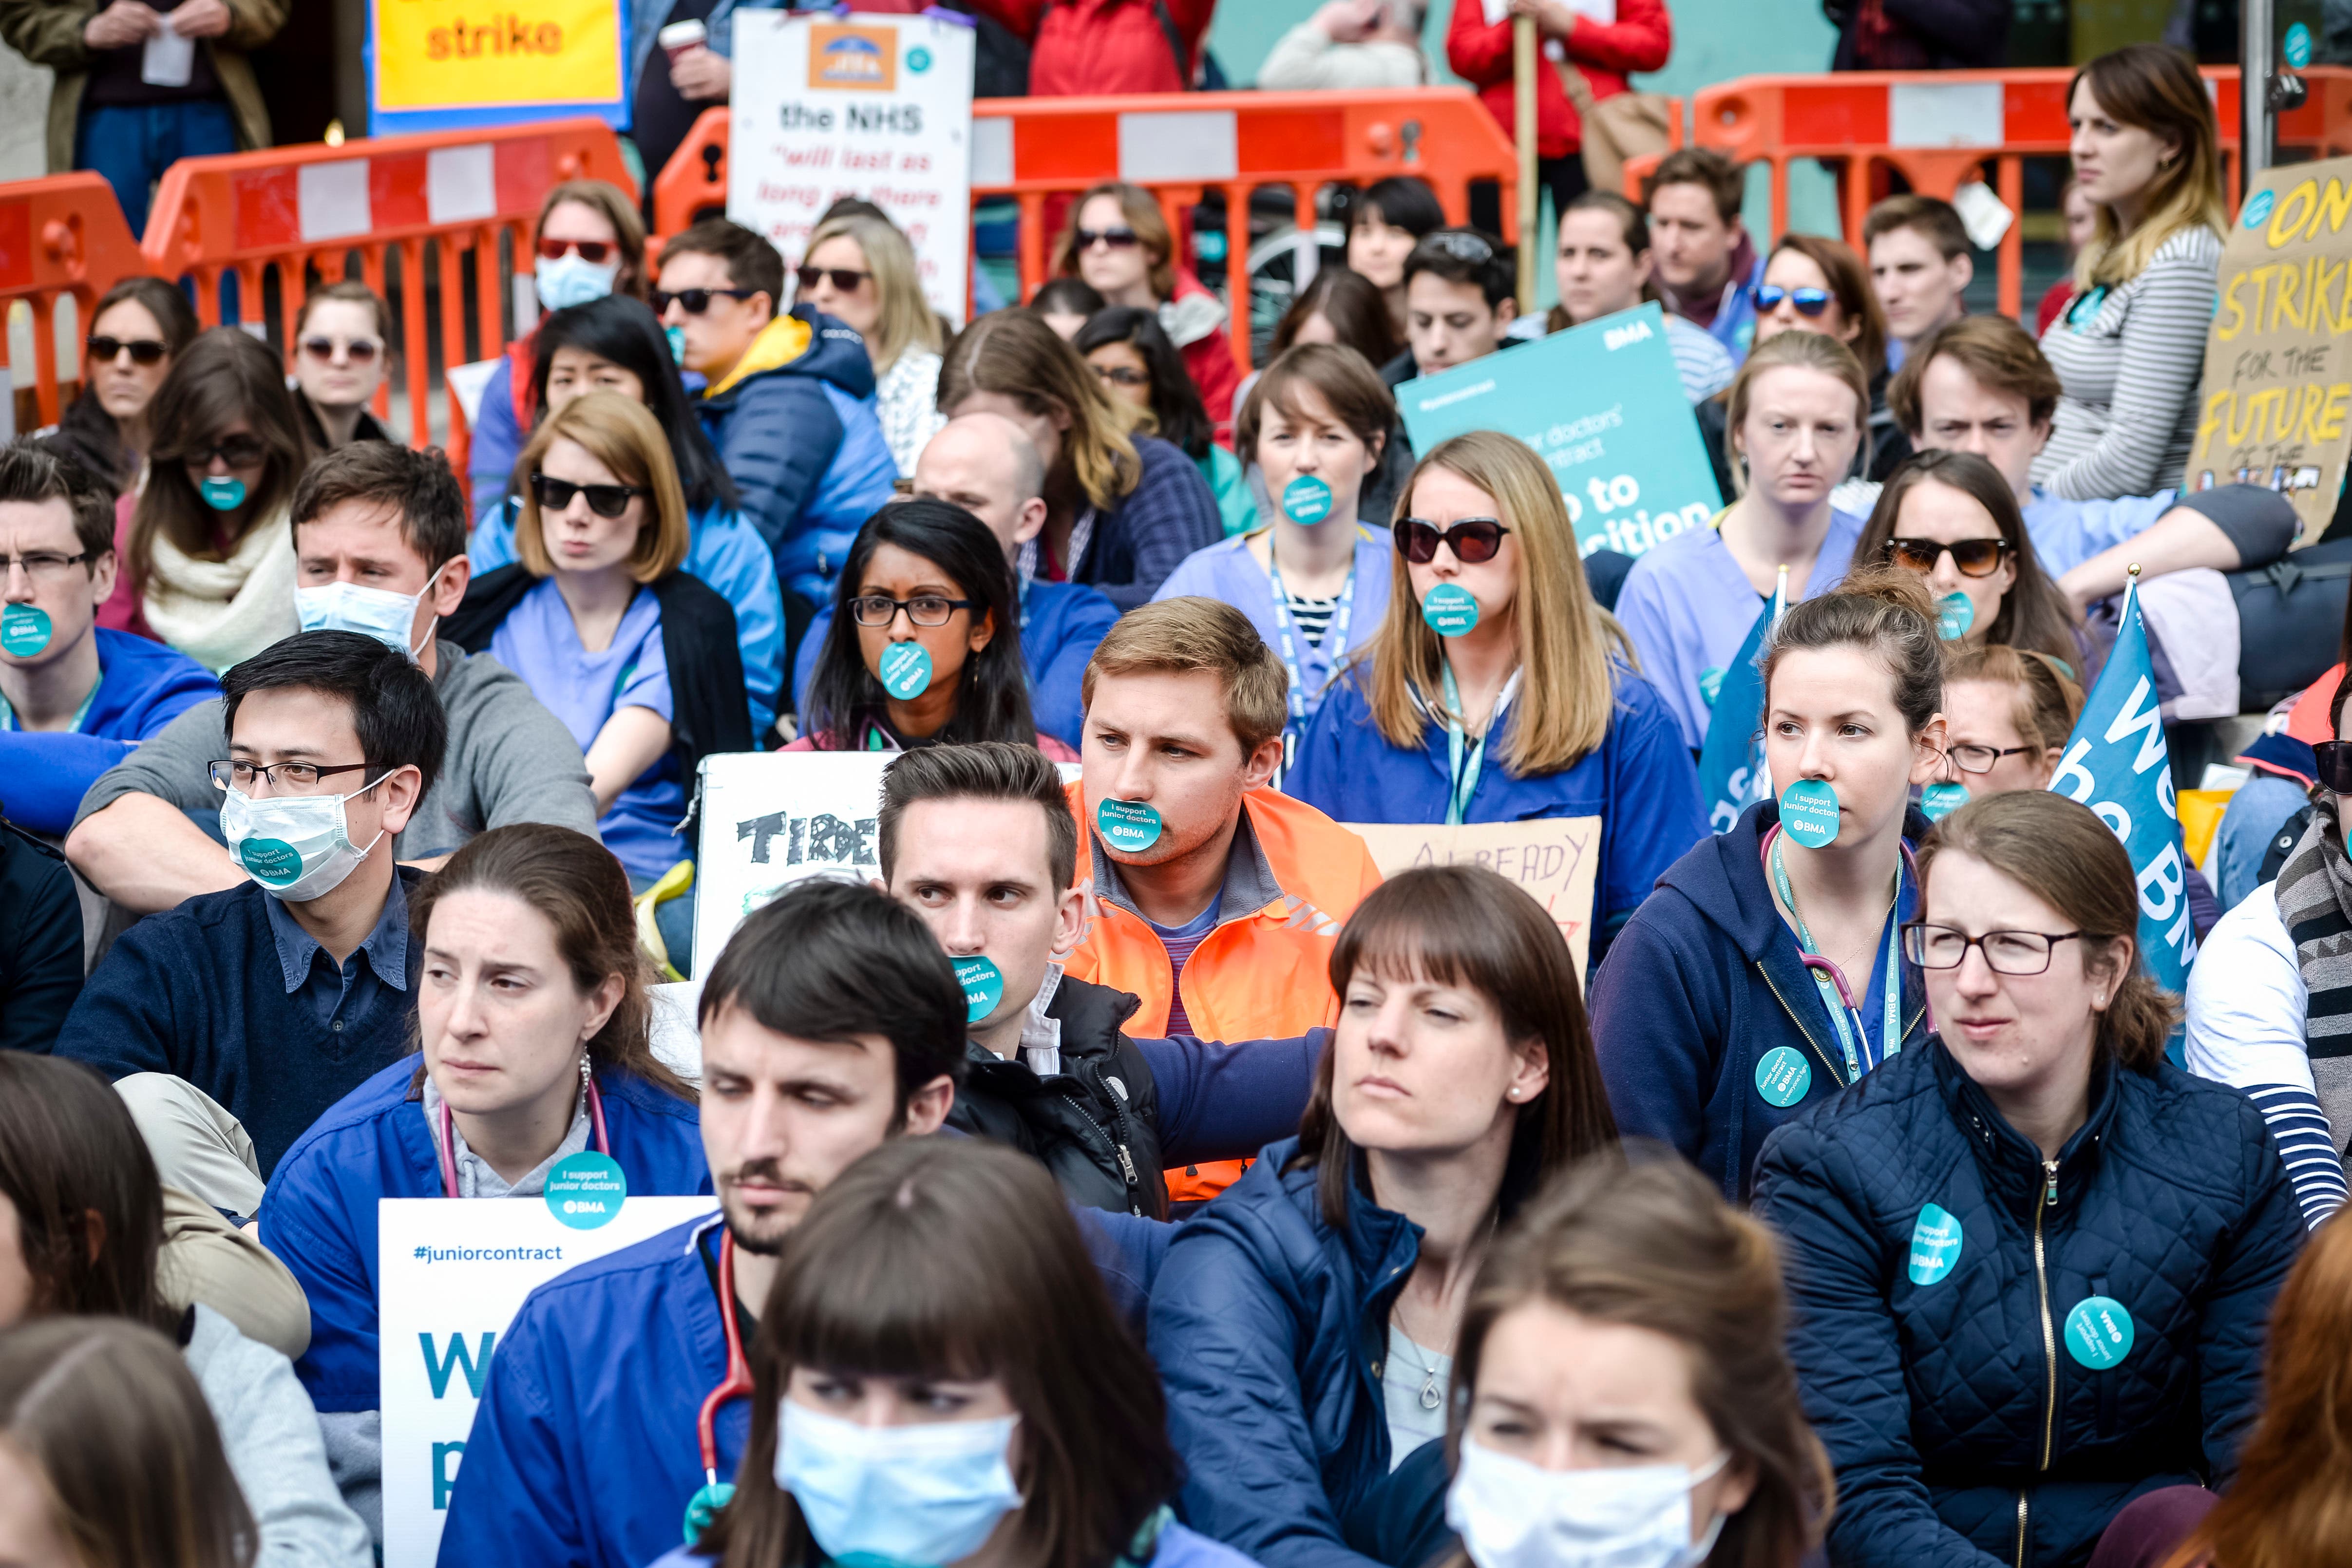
{"x":788,"y":403}
{"x":231,"y":1023}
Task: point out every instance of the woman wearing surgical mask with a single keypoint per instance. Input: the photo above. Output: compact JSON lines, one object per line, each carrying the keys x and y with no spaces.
{"x":939,"y":1378}
{"x":1306,"y":1323}
{"x":342,"y":348}
{"x":2032,"y":1261}
{"x":638,"y":657}
{"x":591,"y":242}
{"x":532,"y":1029}
{"x":139,"y":325}
{"x":923,"y":648}
{"x":1765,"y":973}
{"x":206,"y":546}
{"x":1495,"y":691}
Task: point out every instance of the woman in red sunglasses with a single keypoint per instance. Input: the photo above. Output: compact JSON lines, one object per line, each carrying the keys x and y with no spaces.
{"x":342,"y":348}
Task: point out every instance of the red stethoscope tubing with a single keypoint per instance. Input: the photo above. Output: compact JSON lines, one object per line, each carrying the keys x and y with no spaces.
{"x":738,"y":1370}
{"x":450,"y":1140}
{"x":1828,"y":966}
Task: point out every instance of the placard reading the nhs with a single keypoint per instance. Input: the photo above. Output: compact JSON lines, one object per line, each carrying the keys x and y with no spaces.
{"x":1602,"y":403}
{"x":454,"y":1272}
{"x":877,"y":107}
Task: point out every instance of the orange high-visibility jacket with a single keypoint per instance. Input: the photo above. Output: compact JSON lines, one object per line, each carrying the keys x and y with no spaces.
{"x":1264,"y":971}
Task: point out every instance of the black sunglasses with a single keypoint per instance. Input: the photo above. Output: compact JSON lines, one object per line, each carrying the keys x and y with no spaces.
{"x":1808,"y":301}
{"x":2335,"y":771}
{"x":694,"y":301}
{"x":605,"y":501}
{"x":847,"y":280}
{"x":238,"y":452}
{"x":142,"y":351}
{"x":1118,"y":239}
{"x":1975,"y":558}
{"x":361,"y":351}
{"x":1472,"y":541}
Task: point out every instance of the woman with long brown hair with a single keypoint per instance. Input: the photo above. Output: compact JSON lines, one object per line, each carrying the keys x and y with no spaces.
{"x":1459,"y":1078}
{"x":1119,"y":241}
{"x":139,"y":326}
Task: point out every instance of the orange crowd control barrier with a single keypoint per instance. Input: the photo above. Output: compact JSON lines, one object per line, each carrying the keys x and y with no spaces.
{"x":59,"y":236}
{"x":1179,"y":147}
{"x":1939,"y":129}
{"x":296,"y":210}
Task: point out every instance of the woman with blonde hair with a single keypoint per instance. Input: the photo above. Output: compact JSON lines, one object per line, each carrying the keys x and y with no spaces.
{"x":1119,"y":241}
{"x":2130,"y":350}
{"x":860,"y":269}
{"x":1121,"y":509}
{"x":637,"y":656}
{"x":1505,"y":692}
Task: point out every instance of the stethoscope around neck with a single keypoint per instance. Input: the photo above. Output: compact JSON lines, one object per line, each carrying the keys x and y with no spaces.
{"x":449,"y":1136}
{"x":715,"y":1494}
{"x":1821,"y":965}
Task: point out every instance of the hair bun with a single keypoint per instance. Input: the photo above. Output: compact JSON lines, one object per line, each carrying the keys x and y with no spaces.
{"x":1890,"y":585}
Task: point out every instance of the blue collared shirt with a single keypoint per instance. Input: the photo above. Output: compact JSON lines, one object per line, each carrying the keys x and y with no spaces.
{"x":349,"y":991}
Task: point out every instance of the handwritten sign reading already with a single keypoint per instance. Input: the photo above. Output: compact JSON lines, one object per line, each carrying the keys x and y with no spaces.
{"x":1554,"y":858}
{"x":436,"y":65}
{"x":2278,"y":359}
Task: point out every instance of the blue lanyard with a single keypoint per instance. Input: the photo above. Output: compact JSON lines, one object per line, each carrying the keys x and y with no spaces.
{"x":8,"y":715}
{"x":1462,"y":774}
{"x":1837,"y":997}
{"x":1335,"y":637}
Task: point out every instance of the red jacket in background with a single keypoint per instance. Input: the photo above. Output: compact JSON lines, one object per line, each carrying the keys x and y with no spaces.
{"x":1639,"y":40}
{"x":1208,"y":358}
{"x":1104,"y":46}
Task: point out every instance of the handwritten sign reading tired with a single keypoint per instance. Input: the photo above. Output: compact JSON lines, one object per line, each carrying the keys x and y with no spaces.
{"x":1554,"y":858}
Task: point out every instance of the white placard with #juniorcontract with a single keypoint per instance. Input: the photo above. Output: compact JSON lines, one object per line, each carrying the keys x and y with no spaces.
{"x":877,"y":107}
{"x":454,"y":1273}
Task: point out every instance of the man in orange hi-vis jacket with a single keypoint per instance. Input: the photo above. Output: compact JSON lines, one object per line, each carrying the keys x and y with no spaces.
{"x":1213,"y":899}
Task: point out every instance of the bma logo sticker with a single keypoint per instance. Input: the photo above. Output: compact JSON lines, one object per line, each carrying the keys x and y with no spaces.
{"x":1934,"y":1244}
{"x":585,"y":1190}
{"x":2099,"y":1331}
{"x":843,"y":54}
{"x":273,"y":861}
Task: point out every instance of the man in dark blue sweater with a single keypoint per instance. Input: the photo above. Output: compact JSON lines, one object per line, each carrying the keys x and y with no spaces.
{"x":233,"y":1021}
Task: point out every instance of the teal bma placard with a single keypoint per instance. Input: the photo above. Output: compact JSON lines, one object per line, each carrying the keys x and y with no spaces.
{"x":1602,"y":403}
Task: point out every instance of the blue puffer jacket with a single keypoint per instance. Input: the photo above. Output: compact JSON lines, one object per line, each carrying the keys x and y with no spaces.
{"x":795,"y":423}
{"x":1269,"y":1328}
{"x":1999,"y":1354}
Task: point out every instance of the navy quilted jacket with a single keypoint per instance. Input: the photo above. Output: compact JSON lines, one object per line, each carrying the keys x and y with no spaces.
{"x":2000,"y":1355}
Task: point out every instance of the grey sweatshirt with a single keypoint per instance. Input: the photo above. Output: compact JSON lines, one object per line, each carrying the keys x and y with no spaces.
{"x":271,"y":1434}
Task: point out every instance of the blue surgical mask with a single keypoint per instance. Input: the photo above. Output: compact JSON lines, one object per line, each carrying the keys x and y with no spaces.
{"x":375,"y":612}
{"x":921,"y":1496}
{"x":1512,"y":1514}
{"x":297,"y":847}
{"x":571,"y":279}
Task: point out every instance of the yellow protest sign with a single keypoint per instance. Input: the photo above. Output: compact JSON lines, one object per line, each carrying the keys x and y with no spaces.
{"x":2278,"y":365}
{"x":1554,"y":858}
{"x":470,"y":55}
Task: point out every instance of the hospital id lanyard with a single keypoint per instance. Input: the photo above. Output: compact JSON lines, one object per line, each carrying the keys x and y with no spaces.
{"x":1463,"y":781}
{"x":715,"y":1494}
{"x":1335,"y":636}
{"x":450,"y":1140}
{"x":1839,"y":998}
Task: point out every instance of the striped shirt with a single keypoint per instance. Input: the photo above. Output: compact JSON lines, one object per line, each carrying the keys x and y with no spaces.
{"x":1704,"y":365}
{"x":1311,"y":616}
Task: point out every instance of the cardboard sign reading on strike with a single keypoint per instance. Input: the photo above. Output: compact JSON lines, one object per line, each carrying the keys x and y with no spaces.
{"x":877,"y":107}
{"x":1602,"y":404}
{"x":1554,"y":858}
{"x":453,"y":1272}
{"x":2278,"y":358}
{"x":436,"y":65}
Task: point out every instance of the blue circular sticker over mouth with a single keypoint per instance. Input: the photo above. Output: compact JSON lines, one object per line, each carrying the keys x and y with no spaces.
{"x":1450,"y":610}
{"x":984,"y":987}
{"x":1307,"y":500}
{"x":1783,"y":1076}
{"x":24,"y":630}
{"x":586,"y":1190}
{"x":677,"y":336}
{"x":1941,"y":798}
{"x":1710,"y":683}
{"x":1955,"y":613}
{"x":225,"y":495}
{"x":1934,"y":1244}
{"x":906,"y":670}
{"x":1128,"y":825}
{"x":2099,"y":1331}
{"x":273,"y":861}
{"x":1809,"y":810}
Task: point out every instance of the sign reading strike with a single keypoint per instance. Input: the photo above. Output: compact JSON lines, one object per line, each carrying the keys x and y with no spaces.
{"x":437,"y":64}
{"x":1604,"y":405}
{"x":877,"y":107}
{"x":455,"y":1271}
{"x":2278,"y":359}
{"x":1554,"y":858}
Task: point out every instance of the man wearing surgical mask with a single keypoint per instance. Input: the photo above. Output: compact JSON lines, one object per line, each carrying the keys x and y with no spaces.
{"x":380,"y":550}
{"x":231,"y":1023}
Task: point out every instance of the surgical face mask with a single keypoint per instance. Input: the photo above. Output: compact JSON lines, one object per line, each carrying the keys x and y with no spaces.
{"x":921,"y":1496}
{"x":297,"y":847}
{"x":374,"y":612}
{"x":570,"y":279}
{"x":1512,"y":1514}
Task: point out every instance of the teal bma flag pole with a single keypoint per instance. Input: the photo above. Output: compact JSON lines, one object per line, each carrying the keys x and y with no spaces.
{"x":1731,"y":774}
{"x":2116,"y":763}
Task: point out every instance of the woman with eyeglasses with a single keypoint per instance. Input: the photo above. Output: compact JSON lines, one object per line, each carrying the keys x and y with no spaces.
{"x":1119,"y":241}
{"x":860,"y":269}
{"x":1765,"y":974}
{"x":1505,"y":692}
{"x":2032,"y":1261}
{"x":205,"y":544}
{"x":924,"y":646}
{"x":343,"y":350}
{"x":1139,"y":366}
{"x":589,"y":242}
{"x":636,"y":655}
{"x":139,"y":325}
{"x":1816,"y":285}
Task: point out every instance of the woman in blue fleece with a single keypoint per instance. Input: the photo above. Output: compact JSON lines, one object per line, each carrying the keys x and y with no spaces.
{"x":1765,"y":972}
{"x":1531,"y":709}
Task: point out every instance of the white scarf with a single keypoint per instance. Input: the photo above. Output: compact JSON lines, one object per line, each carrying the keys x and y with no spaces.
{"x":220,"y":611}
